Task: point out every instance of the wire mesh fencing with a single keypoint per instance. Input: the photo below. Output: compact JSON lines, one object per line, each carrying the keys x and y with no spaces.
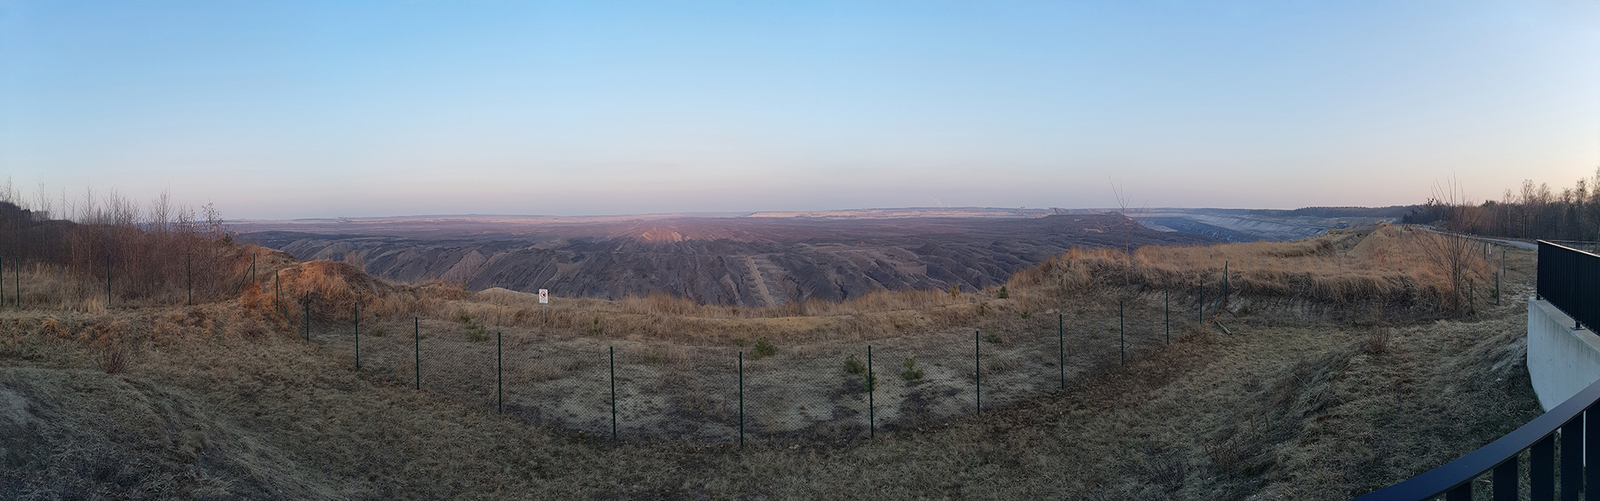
{"x":657,"y":390}
{"x":803,"y":395}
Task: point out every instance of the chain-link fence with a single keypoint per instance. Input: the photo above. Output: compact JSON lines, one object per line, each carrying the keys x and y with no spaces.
{"x":833,"y":391}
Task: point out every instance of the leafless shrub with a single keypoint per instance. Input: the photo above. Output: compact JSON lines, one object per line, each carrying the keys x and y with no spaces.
{"x":1378,"y":341}
{"x":113,"y":358}
{"x":145,"y":254}
{"x":1457,"y":254}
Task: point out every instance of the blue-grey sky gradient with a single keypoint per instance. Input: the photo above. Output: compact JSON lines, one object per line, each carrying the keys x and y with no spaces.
{"x":313,"y":109}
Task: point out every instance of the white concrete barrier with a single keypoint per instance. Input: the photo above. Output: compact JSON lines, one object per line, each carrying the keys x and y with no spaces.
{"x":1561,"y":360}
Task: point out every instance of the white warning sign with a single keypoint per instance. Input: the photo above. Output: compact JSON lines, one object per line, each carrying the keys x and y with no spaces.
{"x":544,"y":296}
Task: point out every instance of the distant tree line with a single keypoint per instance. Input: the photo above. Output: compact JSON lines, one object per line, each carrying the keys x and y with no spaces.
{"x":1534,"y":212}
{"x":1333,"y":212}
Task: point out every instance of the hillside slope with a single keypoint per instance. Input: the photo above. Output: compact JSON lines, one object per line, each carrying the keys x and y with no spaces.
{"x":1293,"y":402}
{"x":741,"y":262}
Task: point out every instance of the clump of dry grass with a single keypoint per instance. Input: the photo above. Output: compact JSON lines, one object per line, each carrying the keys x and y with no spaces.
{"x":113,"y":358}
{"x":1378,"y":341}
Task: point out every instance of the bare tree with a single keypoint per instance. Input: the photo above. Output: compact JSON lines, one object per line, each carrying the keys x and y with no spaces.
{"x":1123,"y":200}
{"x":160,"y":214}
{"x":1450,"y":248}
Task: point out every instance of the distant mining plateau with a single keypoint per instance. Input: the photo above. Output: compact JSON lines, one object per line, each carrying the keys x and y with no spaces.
{"x":765,"y":258}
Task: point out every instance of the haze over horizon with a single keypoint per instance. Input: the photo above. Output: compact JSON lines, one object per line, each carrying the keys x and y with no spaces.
{"x":298,"y":109}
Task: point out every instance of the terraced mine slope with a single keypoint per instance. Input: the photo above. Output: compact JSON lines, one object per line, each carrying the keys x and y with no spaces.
{"x":742,"y":261}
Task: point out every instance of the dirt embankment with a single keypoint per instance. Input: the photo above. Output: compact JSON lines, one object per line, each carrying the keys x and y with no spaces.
{"x":709,"y":260}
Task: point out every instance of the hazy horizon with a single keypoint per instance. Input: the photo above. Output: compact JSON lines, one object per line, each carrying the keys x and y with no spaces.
{"x":308,"y":110}
{"x":722,"y":214}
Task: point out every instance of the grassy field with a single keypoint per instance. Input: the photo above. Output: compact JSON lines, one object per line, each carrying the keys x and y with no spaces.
{"x":1343,"y":378}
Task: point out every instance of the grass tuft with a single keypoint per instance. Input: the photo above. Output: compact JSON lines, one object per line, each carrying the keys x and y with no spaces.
{"x":909,"y":370}
{"x":1378,"y":341}
{"x":113,"y":358}
{"x":763,"y":349}
{"x":853,"y":365}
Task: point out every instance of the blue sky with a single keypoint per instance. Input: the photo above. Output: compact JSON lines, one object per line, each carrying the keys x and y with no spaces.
{"x":315,"y":109}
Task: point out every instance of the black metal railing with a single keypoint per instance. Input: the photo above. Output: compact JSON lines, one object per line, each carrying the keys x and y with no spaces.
{"x":1455,"y":479}
{"x":1583,"y":245}
{"x":1570,"y":280}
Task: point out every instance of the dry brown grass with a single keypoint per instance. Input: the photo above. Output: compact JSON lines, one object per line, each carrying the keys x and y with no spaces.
{"x":217,"y":400}
{"x":1392,"y":266}
{"x":663,"y":317}
{"x":1388,"y":270}
{"x":1280,"y":413}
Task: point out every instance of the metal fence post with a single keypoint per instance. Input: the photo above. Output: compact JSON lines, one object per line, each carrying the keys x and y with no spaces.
{"x":1122,"y":334}
{"x":416,"y":337}
{"x":1201,"y":317}
{"x":977,"y":373}
{"x":741,"y":399}
{"x":1222,"y":302}
{"x":1168,"y":317}
{"x":613,"y":352}
{"x":108,"y":281}
{"x":1061,"y":346}
{"x":499,"y":375}
{"x":307,"y":302}
{"x":358,"y":336}
{"x":872,"y":387}
{"x":1497,"y":277}
{"x":188,"y":267}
